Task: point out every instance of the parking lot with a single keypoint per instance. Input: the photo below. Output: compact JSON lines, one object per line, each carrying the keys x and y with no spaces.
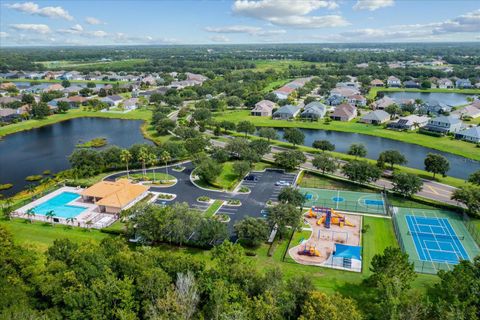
{"x":263,"y":189}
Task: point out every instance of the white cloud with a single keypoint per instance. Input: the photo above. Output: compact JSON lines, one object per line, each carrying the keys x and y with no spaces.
{"x":234,"y":29}
{"x":35,"y":9}
{"x":373,"y":5}
{"x":37,"y":28}
{"x":469,"y":22}
{"x":291,"y":13}
{"x":75,"y":29}
{"x":98,"y":33}
{"x":93,"y":21}
{"x":3,"y":34}
{"x":220,"y":38}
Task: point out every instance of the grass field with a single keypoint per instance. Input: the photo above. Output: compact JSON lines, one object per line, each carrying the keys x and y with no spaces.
{"x":79,"y":65}
{"x":282,"y":65}
{"x":275,"y":85}
{"x":59,"y":81}
{"x":374,"y":90}
{"x":39,"y":236}
{"x":445,"y":144}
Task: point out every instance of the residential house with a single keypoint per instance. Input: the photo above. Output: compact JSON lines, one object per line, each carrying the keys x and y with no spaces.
{"x":463,"y":83}
{"x":72,"y":89}
{"x":434,"y":107}
{"x":334,"y":100}
{"x":348,"y":84}
{"x":130,"y":104}
{"x":114,"y":196}
{"x":263,"y":108}
{"x":53,"y":87}
{"x":444,"y":124}
{"x":113,"y":101}
{"x":471,"y":111}
{"x":283,"y":92}
{"x":410,"y":122}
{"x":394,"y":82}
{"x":445,"y":83}
{"x":376,"y":117}
{"x":377,"y":83}
{"x":7,"y":85}
{"x":196,"y":77}
{"x":344,"y":91}
{"x":8,"y":100}
{"x":357,"y":100}
{"x":286,"y":112}
{"x":471,"y":134}
{"x":77,"y":100}
{"x":383,"y":103}
{"x":53,"y":104}
{"x":411,"y":84}
{"x":344,"y":112}
{"x":314,"y":111}
{"x":149,"y":80}
{"x":8,"y":115}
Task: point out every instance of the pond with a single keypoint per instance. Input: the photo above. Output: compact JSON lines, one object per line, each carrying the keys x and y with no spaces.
{"x":449,"y":98}
{"x":460,"y":167}
{"x":47,"y":148}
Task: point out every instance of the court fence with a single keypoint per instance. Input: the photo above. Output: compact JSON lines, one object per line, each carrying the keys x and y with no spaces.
{"x":346,"y":205}
{"x":472,"y":228}
{"x":420,"y":266}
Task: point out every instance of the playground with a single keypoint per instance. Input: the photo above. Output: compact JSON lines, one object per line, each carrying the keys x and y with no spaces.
{"x":345,"y":200}
{"x":334,"y":241}
{"x":434,"y":239}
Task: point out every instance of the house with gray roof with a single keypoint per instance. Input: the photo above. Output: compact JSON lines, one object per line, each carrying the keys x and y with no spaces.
{"x":393,"y":81}
{"x":8,"y":115}
{"x":463,"y":83}
{"x":471,"y":135}
{"x":376,"y":117}
{"x":434,"y":107}
{"x":286,"y":112}
{"x":444,"y":124}
{"x":113,"y":100}
{"x":410,"y":122}
{"x":314,"y":111}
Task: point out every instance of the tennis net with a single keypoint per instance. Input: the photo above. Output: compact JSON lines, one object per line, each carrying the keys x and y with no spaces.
{"x":435,"y":236}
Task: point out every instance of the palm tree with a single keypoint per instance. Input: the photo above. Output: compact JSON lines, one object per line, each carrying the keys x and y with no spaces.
{"x":165,"y":157}
{"x":152,"y":160}
{"x":50,"y":214}
{"x":89,"y":224}
{"x":126,"y":156}
{"x":7,"y":208}
{"x":71,"y":220}
{"x":30,"y":214}
{"x":143,"y":157}
{"x":416,"y":125}
{"x":31,"y":188}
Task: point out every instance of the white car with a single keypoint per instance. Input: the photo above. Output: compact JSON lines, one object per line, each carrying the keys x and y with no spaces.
{"x":282,"y":183}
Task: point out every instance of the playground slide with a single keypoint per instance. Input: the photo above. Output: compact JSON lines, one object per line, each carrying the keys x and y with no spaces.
{"x":348,"y":223}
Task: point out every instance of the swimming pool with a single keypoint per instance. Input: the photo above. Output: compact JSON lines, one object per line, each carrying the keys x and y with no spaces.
{"x":58,"y":205}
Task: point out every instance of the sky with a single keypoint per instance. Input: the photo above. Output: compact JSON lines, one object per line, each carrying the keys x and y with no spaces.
{"x":154,"y":22}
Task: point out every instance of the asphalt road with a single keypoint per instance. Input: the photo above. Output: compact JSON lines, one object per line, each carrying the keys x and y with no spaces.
{"x":431,"y":189}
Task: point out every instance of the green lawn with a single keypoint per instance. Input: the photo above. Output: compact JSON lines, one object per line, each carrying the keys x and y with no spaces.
{"x":39,"y":236}
{"x":159,"y":175}
{"x":80,"y":65}
{"x":446,"y":144}
{"x":282,"y":65}
{"x":213,"y":208}
{"x":275,"y":85}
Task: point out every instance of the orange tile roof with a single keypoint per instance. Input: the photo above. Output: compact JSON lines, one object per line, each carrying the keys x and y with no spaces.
{"x":116,"y":194}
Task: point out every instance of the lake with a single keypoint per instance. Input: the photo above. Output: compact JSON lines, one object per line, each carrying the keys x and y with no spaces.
{"x":460,"y":167}
{"x":449,"y":98}
{"x":47,"y":148}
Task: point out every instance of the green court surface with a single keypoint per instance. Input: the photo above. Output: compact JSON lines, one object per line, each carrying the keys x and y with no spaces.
{"x":434,"y":239}
{"x":344,"y":200}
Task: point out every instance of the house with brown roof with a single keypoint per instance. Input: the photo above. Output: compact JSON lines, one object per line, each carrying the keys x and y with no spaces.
{"x":357,"y":100}
{"x":472,"y":111}
{"x":344,"y":112}
{"x":263,"y":108}
{"x":114,"y":196}
{"x":383,"y":103}
{"x":377,"y":83}
{"x":393,"y":81}
{"x":54,"y":87}
{"x":7,"y":85}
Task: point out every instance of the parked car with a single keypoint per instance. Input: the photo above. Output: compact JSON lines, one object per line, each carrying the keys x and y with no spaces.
{"x":251,"y":177}
{"x":282,"y":183}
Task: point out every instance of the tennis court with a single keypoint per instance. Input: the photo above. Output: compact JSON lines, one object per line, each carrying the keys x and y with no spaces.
{"x":344,"y":200}
{"x":434,"y":239}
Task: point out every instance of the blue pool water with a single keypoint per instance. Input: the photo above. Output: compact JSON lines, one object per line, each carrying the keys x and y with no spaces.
{"x":58,"y":205}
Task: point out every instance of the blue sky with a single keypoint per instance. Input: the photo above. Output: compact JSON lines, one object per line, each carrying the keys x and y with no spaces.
{"x":92,"y":22}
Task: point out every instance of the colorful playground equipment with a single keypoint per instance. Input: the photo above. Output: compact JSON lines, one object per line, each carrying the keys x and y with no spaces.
{"x":309,"y":251}
{"x":328,"y":216}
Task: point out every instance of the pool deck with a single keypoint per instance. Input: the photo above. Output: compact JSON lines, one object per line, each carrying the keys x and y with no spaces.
{"x":91,"y":217}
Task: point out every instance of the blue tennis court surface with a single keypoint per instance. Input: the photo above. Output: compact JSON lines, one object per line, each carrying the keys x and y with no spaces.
{"x":435,"y":240}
